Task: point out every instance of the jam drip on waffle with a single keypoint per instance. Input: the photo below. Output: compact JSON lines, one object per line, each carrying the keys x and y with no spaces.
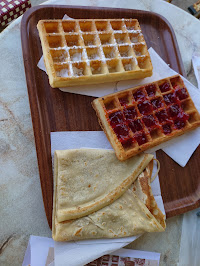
{"x":149,"y":112}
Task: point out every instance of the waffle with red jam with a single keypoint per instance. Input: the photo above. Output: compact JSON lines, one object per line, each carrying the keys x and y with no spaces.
{"x":140,"y":118}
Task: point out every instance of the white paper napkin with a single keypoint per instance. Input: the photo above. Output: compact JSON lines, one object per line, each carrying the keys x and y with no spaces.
{"x":38,"y":248}
{"x":37,"y":251}
{"x":88,"y":250}
{"x":179,"y":149}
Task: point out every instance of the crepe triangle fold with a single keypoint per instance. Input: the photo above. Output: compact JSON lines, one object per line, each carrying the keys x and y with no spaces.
{"x":94,"y":196}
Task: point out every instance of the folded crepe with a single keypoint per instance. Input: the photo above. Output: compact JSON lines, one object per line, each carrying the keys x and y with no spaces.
{"x":95,"y":196}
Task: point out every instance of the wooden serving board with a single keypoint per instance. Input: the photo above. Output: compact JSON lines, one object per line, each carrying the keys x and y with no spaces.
{"x":53,"y":110}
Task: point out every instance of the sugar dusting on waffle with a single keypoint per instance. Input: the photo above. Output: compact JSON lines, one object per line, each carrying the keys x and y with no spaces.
{"x":117,"y":44}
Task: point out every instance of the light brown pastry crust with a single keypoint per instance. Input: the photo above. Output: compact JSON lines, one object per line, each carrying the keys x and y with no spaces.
{"x":79,"y":179}
{"x":135,"y":212}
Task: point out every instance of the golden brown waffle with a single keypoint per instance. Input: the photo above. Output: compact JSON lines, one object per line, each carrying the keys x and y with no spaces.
{"x":145,"y":116}
{"x":89,"y":51}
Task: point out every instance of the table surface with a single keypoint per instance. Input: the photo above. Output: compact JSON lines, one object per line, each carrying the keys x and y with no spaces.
{"x":22,"y":211}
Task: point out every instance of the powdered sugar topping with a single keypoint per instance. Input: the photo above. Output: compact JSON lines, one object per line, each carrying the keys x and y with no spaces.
{"x":63,"y":73}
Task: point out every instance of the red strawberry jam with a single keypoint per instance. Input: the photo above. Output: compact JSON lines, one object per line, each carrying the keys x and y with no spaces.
{"x":167,"y":129}
{"x":181,"y":120}
{"x":123,"y":101}
{"x":162,"y":116}
{"x":165,"y":87}
{"x":141,"y":138}
{"x":174,"y":110}
{"x":181,"y":94}
{"x":145,"y":107}
{"x":176,"y":86}
{"x":136,"y":125}
{"x":116,"y":118}
{"x":149,"y":120}
{"x":170,"y":98}
{"x":130,"y":113}
{"x":151,"y":90}
{"x":179,"y":123}
{"x":121,"y":131}
{"x":183,"y":116}
{"x":139,"y":95}
{"x":127,"y":143}
{"x":157,"y":103}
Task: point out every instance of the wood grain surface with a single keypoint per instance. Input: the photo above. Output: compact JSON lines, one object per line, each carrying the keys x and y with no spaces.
{"x":53,"y":110}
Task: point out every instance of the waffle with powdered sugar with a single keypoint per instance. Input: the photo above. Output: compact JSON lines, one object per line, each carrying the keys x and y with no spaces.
{"x":91,"y":51}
